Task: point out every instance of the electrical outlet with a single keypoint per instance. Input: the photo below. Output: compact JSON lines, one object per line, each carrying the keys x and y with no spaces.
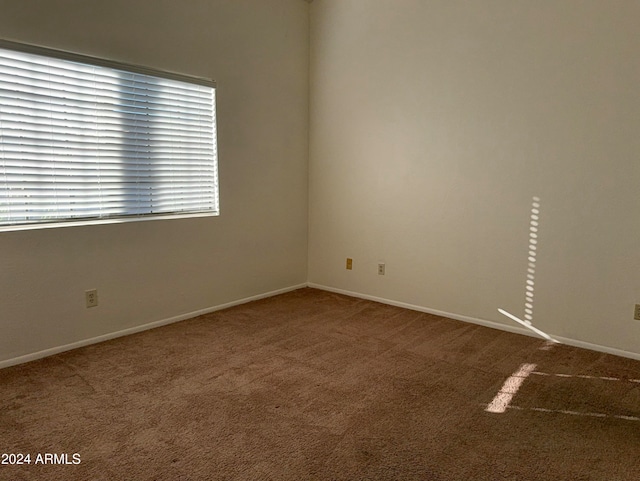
{"x":91,"y":297}
{"x":381,"y":268}
{"x":636,"y":313}
{"x":349,"y":263}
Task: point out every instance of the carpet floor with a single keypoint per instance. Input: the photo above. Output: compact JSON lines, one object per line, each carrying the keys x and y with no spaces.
{"x":312,"y":385}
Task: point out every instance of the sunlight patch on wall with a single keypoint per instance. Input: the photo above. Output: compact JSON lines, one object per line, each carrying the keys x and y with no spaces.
{"x":534,"y":224}
{"x":530,"y":280}
{"x":528,"y":325}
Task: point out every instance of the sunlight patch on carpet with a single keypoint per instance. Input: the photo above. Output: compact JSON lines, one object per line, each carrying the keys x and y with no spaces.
{"x":509,"y":389}
{"x":577,"y":413}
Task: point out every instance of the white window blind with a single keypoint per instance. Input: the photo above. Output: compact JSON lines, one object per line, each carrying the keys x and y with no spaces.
{"x":83,"y":139}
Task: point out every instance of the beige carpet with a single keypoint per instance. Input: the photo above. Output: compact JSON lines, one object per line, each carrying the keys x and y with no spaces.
{"x":311,"y":385}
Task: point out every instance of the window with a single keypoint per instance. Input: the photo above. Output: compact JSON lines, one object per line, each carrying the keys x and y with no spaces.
{"x":84,"y":140}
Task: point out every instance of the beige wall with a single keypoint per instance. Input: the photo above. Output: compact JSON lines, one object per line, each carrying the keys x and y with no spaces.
{"x":435,"y":123}
{"x":257,"y":51}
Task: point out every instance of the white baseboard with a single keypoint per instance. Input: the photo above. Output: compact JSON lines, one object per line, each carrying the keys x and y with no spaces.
{"x":144,"y":327}
{"x":132,"y":330}
{"x":482,"y":322}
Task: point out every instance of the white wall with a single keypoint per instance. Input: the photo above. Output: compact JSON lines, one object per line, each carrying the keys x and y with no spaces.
{"x":257,"y":51}
{"x":435,"y":123}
